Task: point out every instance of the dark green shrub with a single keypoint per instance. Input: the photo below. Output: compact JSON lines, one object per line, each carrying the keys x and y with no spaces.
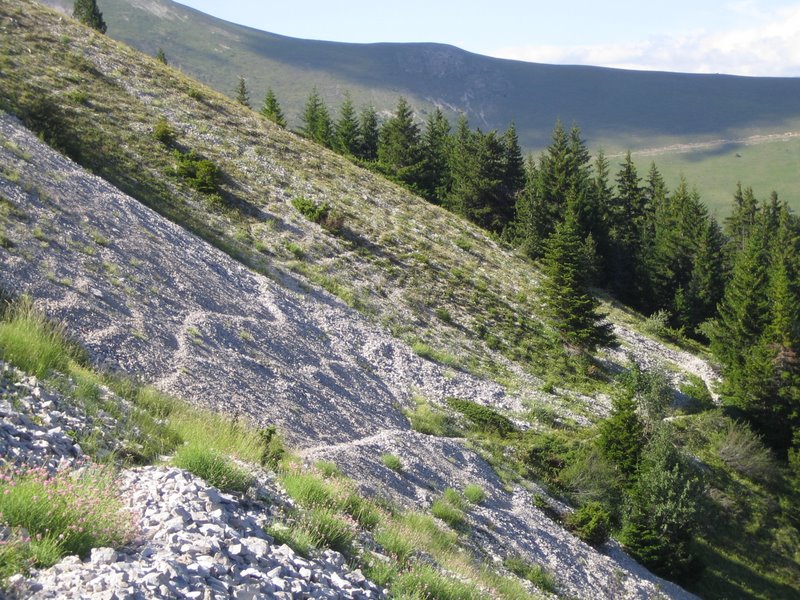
{"x":202,"y":174}
{"x":484,"y":418}
{"x":591,"y":522}
{"x":272,"y":449}
{"x":163,"y":132}
{"x":311,"y":210}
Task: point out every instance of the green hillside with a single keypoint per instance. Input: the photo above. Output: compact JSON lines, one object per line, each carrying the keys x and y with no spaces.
{"x":615,"y":108}
{"x":766,"y":163}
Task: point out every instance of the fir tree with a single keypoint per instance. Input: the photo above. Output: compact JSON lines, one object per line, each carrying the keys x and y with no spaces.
{"x":86,"y":12}
{"x":272,"y":109}
{"x":568,"y":304}
{"x":662,"y":512}
{"x":622,"y":434}
{"x":598,"y":222}
{"x":399,"y":145}
{"x":769,"y":385}
{"x":513,"y":170}
{"x":316,"y":120}
{"x":706,"y":285}
{"x":742,"y":314}
{"x":242,"y":94}
{"x":435,"y":181}
{"x":369,"y":134}
{"x":562,"y":172}
{"x":741,"y":221}
{"x":626,"y":222}
{"x":346,"y":128}
{"x":161,"y":56}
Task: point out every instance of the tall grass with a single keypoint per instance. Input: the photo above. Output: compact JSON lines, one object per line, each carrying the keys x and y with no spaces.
{"x":33,"y":343}
{"x":217,"y":469}
{"x":62,"y":514}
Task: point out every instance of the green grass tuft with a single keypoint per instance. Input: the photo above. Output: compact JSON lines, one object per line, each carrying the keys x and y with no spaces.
{"x":392,"y":461}
{"x":309,"y":490}
{"x":426,"y":583}
{"x":452,"y":515}
{"x":534,"y":573}
{"x":33,"y":343}
{"x":474,"y":493}
{"x":215,"y":468}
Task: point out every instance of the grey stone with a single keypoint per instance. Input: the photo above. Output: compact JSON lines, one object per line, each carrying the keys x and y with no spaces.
{"x":103,"y":556}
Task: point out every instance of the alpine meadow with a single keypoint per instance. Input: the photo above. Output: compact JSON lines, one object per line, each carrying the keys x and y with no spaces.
{"x":292,"y":319}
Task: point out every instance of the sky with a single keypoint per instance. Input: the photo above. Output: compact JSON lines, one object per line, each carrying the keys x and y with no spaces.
{"x":744,"y":37}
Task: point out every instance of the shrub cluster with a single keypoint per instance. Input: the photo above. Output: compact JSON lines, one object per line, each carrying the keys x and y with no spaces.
{"x":200,"y":173}
{"x":320,"y":213}
{"x":591,"y":522}
{"x":484,"y":418}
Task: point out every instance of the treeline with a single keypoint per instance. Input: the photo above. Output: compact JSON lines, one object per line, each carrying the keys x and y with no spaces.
{"x":734,"y":285}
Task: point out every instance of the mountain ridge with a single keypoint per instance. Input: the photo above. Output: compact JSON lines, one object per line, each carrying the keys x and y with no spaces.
{"x":492,"y":92}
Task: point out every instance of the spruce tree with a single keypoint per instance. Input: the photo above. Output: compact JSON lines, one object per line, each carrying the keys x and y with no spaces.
{"x":563,"y":171}
{"x":706,"y":285}
{"x":626,"y":227}
{"x":161,"y":56}
{"x":569,"y":305}
{"x":513,"y":170}
{"x":369,"y":134}
{"x":622,"y":434}
{"x":86,"y":12}
{"x":598,"y":222}
{"x":740,"y":223}
{"x":346,"y":128}
{"x":316,"y":120}
{"x":272,"y":109}
{"x":663,"y":510}
{"x":435,"y":181}
{"x":743,"y":314}
{"x":242,"y":94}
{"x":399,"y":150}
{"x":769,"y":388}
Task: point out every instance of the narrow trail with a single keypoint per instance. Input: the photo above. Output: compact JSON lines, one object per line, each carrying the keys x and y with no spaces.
{"x":752,"y":140}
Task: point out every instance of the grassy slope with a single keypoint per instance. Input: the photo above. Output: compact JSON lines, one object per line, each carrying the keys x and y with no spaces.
{"x":630,"y":107}
{"x":616,"y":110}
{"x":766,"y":165}
{"x":397,"y":258}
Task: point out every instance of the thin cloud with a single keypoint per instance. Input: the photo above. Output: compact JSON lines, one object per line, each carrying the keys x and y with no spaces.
{"x":769,"y":48}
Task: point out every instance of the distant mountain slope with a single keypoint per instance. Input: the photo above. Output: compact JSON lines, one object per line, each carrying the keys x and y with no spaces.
{"x":614,"y":108}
